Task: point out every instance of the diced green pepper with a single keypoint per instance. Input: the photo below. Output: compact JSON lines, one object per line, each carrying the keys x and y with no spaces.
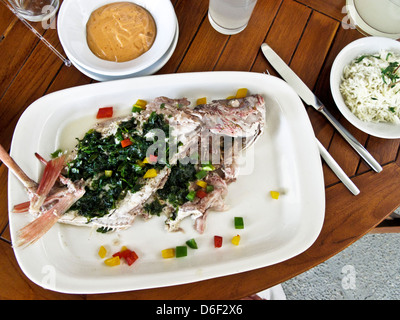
{"x":190,"y":196}
{"x":192,"y":244}
{"x":239,"y":224}
{"x":209,"y":188}
{"x":136,"y":109}
{"x":208,"y":167}
{"x":201,"y":174}
{"x":56,"y":153}
{"x":180,"y":251}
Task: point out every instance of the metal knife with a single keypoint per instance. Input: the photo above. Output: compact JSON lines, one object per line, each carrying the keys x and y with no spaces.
{"x":330,"y":161}
{"x":309,"y":98}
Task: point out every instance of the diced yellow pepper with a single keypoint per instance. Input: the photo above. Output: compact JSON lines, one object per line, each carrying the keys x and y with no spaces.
{"x":114,"y":261}
{"x":146,"y":160}
{"x":140,"y":163}
{"x":236,"y":240}
{"x":124,"y":248}
{"x":230,"y":97}
{"x":108,"y":173}
{"x":151,"y":173}
{"x":168,"y":253}
{"x":201,"y":183}
{"x":241,"y":93}
{"x":102,"y":252}
{"x":274,"y":194}
{"x":141,"y":103}
{"x":201,"y":101}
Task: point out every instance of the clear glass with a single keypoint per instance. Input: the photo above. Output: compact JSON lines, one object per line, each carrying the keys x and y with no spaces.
{"x":377,"y":17}
{"x":230,"y":16}
{"x":35,"y":10}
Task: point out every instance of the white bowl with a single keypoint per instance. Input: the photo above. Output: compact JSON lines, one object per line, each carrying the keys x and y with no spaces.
{"x":145,"y":72}
{"x":367,"y":45}
{"x":71,"y":27}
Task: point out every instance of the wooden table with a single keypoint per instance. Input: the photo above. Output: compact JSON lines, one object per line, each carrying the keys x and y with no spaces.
{"x":308,"y":34}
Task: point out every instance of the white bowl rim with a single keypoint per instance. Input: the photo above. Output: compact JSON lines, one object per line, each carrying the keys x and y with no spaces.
{"x":371,"y":44}
{"x":163,"y":13}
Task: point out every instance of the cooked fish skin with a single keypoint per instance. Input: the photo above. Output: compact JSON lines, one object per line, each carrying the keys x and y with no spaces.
{"x":198,"y":208}
{"x":244,"y":117}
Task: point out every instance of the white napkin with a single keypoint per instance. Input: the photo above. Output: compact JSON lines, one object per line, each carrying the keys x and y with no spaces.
{"x":273,"y":293}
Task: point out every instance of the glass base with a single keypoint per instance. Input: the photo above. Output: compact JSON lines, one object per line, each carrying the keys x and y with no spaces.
{"x":37,"y":18}
{"x":223,"y":30}
{"x":365,"y":27}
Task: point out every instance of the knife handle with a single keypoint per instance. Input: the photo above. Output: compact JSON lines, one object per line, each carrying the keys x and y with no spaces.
{"x":337,"y":169}
{"x":351,"y":140}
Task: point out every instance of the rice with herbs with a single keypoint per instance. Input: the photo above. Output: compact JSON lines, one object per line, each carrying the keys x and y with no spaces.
{"x":370,"y":87}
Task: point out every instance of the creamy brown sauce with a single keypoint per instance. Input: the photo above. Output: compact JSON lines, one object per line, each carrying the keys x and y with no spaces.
{"x":120,"y":31}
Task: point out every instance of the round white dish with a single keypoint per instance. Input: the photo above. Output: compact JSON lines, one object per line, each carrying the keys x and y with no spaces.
{"x":71,"y":27}
{"x":368,"y":45}
{"x":365,"y":19}
{"x":148,"y":71}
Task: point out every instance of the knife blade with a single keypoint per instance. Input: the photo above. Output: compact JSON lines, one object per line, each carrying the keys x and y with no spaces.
{"x":312,"y":100}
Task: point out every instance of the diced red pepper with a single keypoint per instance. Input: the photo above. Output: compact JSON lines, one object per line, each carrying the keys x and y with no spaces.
{"x":129,"y":256}
{"x":125,"y":143}
{"x":201,"y":193}
{"x":217,"y":241}
{"x":106,"y":112}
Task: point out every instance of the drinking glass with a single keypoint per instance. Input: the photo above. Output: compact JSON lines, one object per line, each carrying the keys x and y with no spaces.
{"x":35,"y":10}
{"x":230,"y":16}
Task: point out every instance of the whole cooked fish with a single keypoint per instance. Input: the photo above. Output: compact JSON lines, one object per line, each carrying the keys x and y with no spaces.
{"x":173,"y":163}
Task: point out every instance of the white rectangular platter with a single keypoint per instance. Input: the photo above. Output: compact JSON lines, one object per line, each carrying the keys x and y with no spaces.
{"x":285,"y":159}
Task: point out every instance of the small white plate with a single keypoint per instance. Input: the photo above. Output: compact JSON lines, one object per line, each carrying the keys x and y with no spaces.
{"x":368,"y":45}
{"x":148,"y":71}
{"x":71,"y":28}
{"x":285,"y":159}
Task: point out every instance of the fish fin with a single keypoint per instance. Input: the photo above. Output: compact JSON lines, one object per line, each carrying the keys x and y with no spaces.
{"x":21,"y":207}
{"x":16,"y":170}
{"x":50,"y":175}
{"x":37,"y":228}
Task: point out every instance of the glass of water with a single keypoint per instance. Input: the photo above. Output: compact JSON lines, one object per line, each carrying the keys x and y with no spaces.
{"x":230,"y":16}
{"x":35,"y":10}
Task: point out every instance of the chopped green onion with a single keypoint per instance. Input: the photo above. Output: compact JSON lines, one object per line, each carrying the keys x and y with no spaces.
{"x":192,"y":244}
{"x":201,"y":174}
{"x":239,"y":224}
{"x":180,"y":251}
{"x":191,"y":195}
